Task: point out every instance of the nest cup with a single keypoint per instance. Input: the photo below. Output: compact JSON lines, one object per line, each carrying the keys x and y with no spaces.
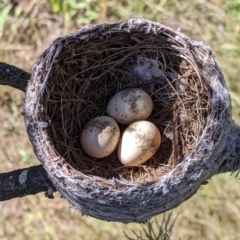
{"x":74,"y":80}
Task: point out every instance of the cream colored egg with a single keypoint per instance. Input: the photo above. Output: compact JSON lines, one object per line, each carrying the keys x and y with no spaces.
{"x":130,"y":105}
{"x":100,"y":137}
{"x":140,"y":141}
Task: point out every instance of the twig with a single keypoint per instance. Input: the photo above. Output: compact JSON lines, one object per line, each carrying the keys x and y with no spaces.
{"x":27,"y":181}
{"x":13,"y":76}
{"x":30,"y":180}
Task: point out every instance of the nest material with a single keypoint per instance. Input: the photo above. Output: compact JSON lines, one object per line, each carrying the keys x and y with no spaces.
{"x":74,"y":80}
{"x":87,"y":76}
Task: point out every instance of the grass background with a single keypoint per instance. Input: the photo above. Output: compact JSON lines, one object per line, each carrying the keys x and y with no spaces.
{"x":27,"y":28}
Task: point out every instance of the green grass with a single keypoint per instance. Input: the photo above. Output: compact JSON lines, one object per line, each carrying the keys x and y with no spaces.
{"x":27,"y":28}
{"x":153,"y":230}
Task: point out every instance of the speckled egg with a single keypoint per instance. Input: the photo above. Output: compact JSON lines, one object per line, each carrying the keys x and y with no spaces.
{"x":130,"y":105}
{"x":100,"y":136}
{"x":140,"y":141}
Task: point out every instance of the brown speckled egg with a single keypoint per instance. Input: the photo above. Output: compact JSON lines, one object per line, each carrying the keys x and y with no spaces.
{"x":140,"y":141}
{"x":100,"y":136}
{"x":130,"y":105}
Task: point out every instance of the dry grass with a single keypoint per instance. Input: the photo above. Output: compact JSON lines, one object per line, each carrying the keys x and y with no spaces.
{"x":93,"y":74}
{"x":27,"y":29}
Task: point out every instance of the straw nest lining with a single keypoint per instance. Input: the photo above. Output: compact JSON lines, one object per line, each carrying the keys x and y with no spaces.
{"x":87,"y":73}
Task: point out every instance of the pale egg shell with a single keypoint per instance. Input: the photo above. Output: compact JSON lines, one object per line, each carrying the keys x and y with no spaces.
{"x":140,"y":141}
{"x":100,"y":136}
{"x":130,"y":105}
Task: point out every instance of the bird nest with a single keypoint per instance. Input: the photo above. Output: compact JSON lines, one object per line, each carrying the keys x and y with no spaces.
{"x":73,"y":82}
